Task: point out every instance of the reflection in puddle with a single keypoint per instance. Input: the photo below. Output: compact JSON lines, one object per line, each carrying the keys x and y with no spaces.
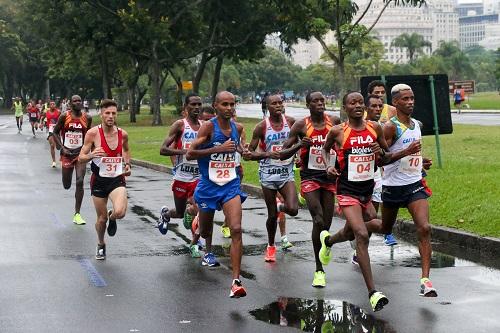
{"x":311,"y":315}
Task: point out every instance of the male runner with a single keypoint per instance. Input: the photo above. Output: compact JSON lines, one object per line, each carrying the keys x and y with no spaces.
{"x":219,"y":186}
{"x":374,"y":107}
{"x":34,"y":116}
{"x":354,"y":141}
{"x":108,"y":175}
{"x":17,"y":106}
{"x":402,"y":182}
{"x":378,"y":88}
{"x":186,"y":173}
{"x":69,"y":134}
{"x":276,"y":176}
{"x":52,"y":115}
{"x":309,"y":135}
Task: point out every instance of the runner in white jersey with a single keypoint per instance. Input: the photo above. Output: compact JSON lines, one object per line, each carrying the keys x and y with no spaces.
{"x":402,"y":182}
{"x":275,"y":175}
{"x":186,"y":173}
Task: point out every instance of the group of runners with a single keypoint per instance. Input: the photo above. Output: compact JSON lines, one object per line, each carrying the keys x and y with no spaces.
{"x":373,"y":157}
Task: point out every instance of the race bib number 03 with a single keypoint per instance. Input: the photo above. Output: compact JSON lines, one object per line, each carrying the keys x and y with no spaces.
{"x":221,"y":173}
{"x":361,"y":167}
{"x":411,"y":165}
{"x":73,"y":140}
{"x":316,"y":161}
{"x":110,"y":167}
{"x":51,"y":128}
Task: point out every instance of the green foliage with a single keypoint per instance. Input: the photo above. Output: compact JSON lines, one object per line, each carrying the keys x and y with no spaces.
{"x":413,"y":43}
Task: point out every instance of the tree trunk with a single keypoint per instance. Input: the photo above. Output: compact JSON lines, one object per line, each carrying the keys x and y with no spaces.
{"x":8,"y":90}
{"x":131,"y":103}
{"x":199,"y":72}
{"x":47,"y":89}
{"x":139,"y":97}
{"x":155,"y":87}
{"x":106,"y":81}
{"x":215,"y":82}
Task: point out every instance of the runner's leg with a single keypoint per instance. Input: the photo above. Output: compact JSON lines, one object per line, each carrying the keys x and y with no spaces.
{"x":119,"y":200}
{"x":313,"y":200}
{"x":67,"y":176}
{"x":272,"y":214}
{"x":289,"y":194}
{"x":419,"y":211}
{"x":232,"y":210}
{"x":206,"y":225}
{"x":100,"y":205}
{"x":80,"y":169}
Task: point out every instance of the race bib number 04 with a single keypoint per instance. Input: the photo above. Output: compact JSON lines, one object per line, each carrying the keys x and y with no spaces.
{"x":361,"y":167}
{"x":73,"y":140}
{"x":221,"y":173}
{"x":316,"y":161}
{"x":110,"y":167}
{"x":411,"y":165}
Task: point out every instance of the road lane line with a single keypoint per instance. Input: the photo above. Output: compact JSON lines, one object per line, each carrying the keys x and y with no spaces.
{"x":94,"y":276}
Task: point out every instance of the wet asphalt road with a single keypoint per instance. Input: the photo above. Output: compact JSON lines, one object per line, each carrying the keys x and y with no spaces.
{"x":50,"y":281}
{"x":255,"y":111}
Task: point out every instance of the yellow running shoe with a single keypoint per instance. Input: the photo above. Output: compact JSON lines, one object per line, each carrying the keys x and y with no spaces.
{"x":325,"y":253}
{"x":378,"y":301}
{"x":319,"y":280}
{"x":78,"y":219}
{"x":226,"y":232}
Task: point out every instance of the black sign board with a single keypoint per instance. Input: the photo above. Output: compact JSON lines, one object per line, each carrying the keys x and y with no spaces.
{"x":421,"y":87}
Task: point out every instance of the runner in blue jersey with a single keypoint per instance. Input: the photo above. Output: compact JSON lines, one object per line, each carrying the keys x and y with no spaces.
{"x":219,"y":187}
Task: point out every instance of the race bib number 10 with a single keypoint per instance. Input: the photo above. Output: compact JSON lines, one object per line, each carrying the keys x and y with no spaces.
{"x":361,"y":167}
{"x":110,"y":167}
{"x":221,"y":173}
{"x":411,"y":165}
{"x":73,"y":140}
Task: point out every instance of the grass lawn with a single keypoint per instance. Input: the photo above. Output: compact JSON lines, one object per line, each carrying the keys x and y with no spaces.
{"x":481,"y":101}
{"x":466,"y":191}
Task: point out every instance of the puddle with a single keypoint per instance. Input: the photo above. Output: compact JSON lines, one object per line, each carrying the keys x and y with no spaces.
{"x":310,"y":315}
{"x":141,"y":211}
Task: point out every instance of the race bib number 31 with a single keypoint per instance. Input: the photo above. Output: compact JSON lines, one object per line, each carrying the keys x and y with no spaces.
{"x":361,"y":167}
{"x":221,"y":173}
{"x":73,"y":140}
{"x":110,"y":167}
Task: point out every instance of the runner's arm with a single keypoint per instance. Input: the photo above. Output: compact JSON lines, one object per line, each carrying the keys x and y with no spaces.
{"x":85,"y":153}
{"x":387,"y":157}
{"x":56,"y":134}
{"x":167,"y":148}
{"x":204,"y":136}
{"x":329,"y":144}
{"x":126,"y":154}
{"x":256,"y":137}
{"x":335,"y":120}
{"x":295,"y":141}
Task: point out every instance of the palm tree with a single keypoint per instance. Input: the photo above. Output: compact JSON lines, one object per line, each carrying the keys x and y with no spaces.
{"x":414,"y":43}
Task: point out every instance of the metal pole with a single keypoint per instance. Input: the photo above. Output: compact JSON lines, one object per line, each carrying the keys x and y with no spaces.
{"x":436,"y":125}
{"x":384,"y":81}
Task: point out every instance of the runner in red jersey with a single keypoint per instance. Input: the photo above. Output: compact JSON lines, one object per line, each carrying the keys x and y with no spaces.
{"x":309,"y":135}
{"x":69,"y":133}
{"x":360,"y":145}
{"x":52,"y":116}
{"x":34,"y":116}
{"x":109,"y":168}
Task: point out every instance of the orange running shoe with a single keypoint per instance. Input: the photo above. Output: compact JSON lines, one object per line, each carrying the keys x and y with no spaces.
{"x":270,"y":254}
{"x":237,"y":289}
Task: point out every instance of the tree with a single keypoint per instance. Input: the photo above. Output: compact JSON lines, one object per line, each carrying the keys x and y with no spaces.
{"x":413,"y":43}
{"x":497,"y":69}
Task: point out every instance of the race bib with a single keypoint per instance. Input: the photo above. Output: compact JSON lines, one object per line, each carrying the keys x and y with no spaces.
{"x":33,"y":115}
{"x":316,"y":161}
{"x":361,"y":167}
{"x":110,"y":167}
{"x":73,"y":140}
{"x":186,"y":146}
{"x":411,"y":165}
{"x":221,"y":173}
{"x":278,"y":148}
{"x":51,"y":128}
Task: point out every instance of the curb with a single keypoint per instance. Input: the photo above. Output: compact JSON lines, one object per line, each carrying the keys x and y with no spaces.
{"x":482,"y":246}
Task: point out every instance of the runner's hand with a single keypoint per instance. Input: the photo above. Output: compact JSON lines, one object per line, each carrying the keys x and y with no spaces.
{"x":274,"y":155}
{"x":426,"y":163}
{"x":247,"y":155}
{"x":128,"y":170}
{"x":98,"y":152}
{"x":414,"y":147}
{"x":306,"y":142}
{"x":375,"y":147}
{"x":228,"y":146}
{"x":332,"y":172}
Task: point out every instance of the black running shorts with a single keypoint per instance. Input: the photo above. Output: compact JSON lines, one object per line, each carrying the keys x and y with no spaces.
{"x":101,"y":187}
{"x":402,"y":196}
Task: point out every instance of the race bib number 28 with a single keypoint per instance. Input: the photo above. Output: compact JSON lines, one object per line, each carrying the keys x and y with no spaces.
{"x":221,"y":173}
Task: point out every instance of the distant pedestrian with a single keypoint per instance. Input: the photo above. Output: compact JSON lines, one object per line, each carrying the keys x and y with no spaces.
{"x":264,"y":105}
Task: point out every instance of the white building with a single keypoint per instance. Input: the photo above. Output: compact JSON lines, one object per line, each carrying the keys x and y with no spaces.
{"x":437,"y":21}
{"x":475,"y":29}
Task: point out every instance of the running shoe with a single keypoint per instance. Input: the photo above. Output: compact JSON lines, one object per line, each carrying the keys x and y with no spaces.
{"x":426,"y":289}
{"x":237,"y":289}
{"x":163,"y":220}
{"x":111,"y":224}
{"x":389,"y":240}
{"x":78,"y":219}
{"x":378,"y":301}
{"x":302,"y":200}
{"x":193,"y":249}
{"x":226,"y":232}
{"x":325,"y":253}
{"x":354,"y":259}
{"x":270,"y":254}
{"x":319,"y":280}
{"x":209,"y":260}
{"x":200,"y":244}
{"x":285,"y":244}
{"x":187,"y":220}
{"x":100,"y":252}
{"x":53,"y":164}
